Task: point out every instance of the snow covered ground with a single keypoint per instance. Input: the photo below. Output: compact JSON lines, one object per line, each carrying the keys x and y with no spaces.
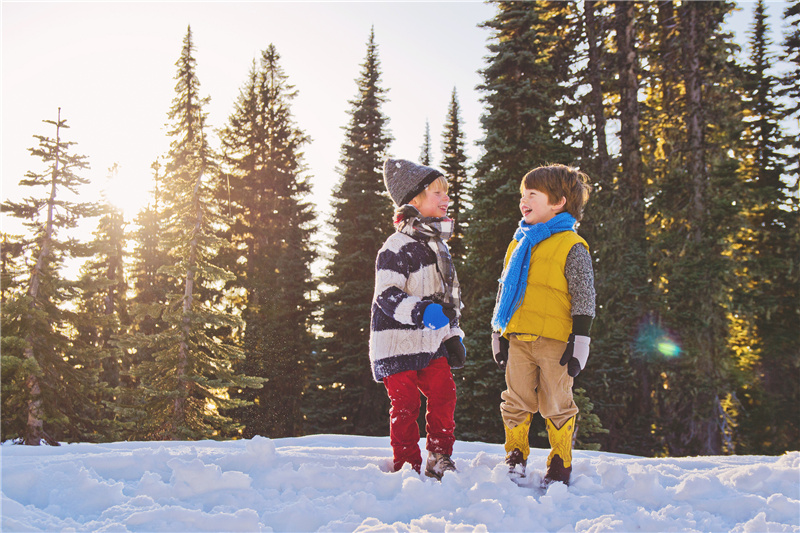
{"x":342,"y":483}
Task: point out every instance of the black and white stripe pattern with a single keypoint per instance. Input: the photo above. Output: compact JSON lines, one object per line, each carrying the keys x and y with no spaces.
{"x":436,"y":231}
{"x":406,"y":281}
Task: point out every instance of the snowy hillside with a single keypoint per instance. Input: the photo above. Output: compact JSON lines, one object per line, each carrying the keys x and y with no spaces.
{"x":342,"y":483}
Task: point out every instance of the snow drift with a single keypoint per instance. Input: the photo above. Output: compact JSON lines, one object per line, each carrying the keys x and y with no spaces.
{"x":343,"y":483}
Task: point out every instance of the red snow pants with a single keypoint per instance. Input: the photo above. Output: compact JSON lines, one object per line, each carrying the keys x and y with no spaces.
{"x":436,"y":383}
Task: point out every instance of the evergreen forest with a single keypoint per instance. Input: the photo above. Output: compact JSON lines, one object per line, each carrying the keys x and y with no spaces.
{"x":203,"y":317}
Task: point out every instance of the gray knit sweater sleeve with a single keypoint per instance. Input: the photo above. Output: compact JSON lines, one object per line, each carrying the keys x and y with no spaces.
{"x":580,"y":280}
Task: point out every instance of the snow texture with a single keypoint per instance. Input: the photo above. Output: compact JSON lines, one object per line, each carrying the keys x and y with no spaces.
{"x":343,"y":483}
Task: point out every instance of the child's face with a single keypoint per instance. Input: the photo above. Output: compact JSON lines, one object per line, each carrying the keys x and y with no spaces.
{"x":435,"y":202}
{"x":536,"y":207}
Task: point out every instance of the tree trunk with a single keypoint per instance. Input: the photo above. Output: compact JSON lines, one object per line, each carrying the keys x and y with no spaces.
{"x":705,"y":425}
{"x":666,"y":26}
{"x":179,"y":414}
{"x":596,"y":99}
{"x":631,"y":189}
{"x":34,"y":432}
{"x":631,"y":179}
{"x":694,"y":121}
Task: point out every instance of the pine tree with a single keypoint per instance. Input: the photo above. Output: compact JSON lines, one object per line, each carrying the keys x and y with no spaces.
{"x":616,"y":214}
{"x":694,"y":217}
{"x":343,"y":396}
{"x":150,"y":287}
{"x":45,"y":382}
{"x":184,"y":388}
{"x":425,"y":151}
{"x":608,"y":372}
{"x":790,"y":84}
{"x":662,"y":130}
{"x":454,"y":159}
{"x":272,"y":251}
{"x":530,"y":58}
{"x":103,"y":298}
{"x":768,"y":291}
{"x":102,"y":311}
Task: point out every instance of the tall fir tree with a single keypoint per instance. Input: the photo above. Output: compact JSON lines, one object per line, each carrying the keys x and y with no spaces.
{"x":102,"y":312}
{"x":523,"y":86}
{"x":694,"y":216}
{"x":425,"y":150}
{"x":184,"y":389}
{"x":149,"y":288}
{"x":454,"y":165}
{"x":790,"y":85}
{"x":45,"y":382}
{"x":343,"y":397}
{"x":590,"y":111}
{"x":766,"y":302}
{"x":662,"y":130}
{"x":790,"y":91}
{"x":149,"y":284}
{"x":616,"y":213}
{"x":271,"y":233}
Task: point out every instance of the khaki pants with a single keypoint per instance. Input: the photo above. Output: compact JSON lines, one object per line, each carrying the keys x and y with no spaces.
{"x":536,"y":382}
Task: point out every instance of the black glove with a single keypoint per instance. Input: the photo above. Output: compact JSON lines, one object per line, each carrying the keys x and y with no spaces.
{"x":500,"y":349}
{"x":576,"y":354}
{"x":449,"y":311}
{"x":456,"y":353}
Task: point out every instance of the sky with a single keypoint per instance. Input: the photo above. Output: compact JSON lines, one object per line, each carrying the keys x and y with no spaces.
{"x":110,"y":67}
{"x":342,"y":483}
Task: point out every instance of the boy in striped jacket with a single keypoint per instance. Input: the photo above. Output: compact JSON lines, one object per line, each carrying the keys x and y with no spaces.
{"x":415,"y":337}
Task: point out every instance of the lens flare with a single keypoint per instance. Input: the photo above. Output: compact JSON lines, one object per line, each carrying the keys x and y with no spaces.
{"x":654,"y":341}
{"x":668,"y":348}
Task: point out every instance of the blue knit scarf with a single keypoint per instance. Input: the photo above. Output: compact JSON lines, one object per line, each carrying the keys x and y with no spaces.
{"x":514,"y":280}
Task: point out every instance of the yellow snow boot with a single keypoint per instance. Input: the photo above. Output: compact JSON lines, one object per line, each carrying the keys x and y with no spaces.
{"x":517,"y":448}
{"x":559,"y":462}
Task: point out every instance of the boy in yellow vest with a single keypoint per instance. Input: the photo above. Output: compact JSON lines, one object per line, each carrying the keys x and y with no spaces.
{"x":543,"y":315}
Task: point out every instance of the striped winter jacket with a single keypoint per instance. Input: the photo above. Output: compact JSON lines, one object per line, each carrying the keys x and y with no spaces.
{"x":406,"y":278}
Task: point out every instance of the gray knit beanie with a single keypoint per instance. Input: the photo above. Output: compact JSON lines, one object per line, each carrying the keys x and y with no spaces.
{"x":404,"y":180}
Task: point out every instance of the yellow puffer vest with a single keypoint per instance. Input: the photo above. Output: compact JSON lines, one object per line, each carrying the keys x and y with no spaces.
{"x":546,"y":308}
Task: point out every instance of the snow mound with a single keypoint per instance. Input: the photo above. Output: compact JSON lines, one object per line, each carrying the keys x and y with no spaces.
{"x":343,"y":483}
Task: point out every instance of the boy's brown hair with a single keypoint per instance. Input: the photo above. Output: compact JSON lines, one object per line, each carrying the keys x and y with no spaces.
{"x":559,"y":181}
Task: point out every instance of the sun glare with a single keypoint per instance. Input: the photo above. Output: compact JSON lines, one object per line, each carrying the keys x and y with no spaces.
{"x":128,"y":195}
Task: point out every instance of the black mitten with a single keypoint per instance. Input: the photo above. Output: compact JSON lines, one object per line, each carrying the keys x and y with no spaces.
{"x":449,"y":311}
{"x":456,"y":352}
{"x":500,"y":349}
{"x":576,"y":354}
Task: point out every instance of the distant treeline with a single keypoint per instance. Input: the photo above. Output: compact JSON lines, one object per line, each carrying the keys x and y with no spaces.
{"x":202,"y":317}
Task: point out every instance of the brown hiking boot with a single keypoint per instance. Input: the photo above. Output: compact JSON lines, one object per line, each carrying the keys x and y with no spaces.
{"x":516,"y":464}
{"x":438,"y":464}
